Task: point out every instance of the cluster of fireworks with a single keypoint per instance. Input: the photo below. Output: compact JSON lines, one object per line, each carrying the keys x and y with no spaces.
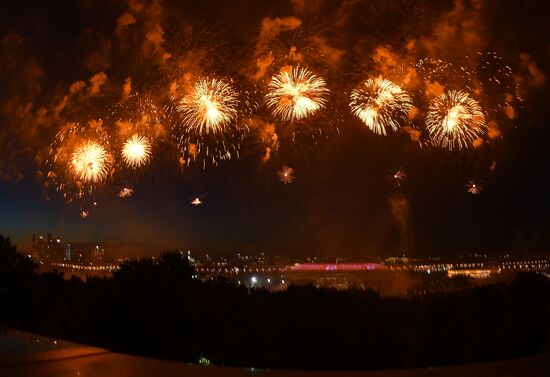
{"x":209,"y":119}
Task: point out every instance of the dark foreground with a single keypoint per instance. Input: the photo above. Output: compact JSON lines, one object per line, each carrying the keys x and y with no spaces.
{"x":76,"y":360}
{"x":155,"y":308}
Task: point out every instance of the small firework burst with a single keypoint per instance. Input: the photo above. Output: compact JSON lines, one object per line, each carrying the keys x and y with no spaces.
{"x":381,"y":105}
{"x":454,"y":120}
{"x":296,"y":93}
{"x":136,"y":151}
{"x":196,"y":201}
{"x":90,"y":162}
{"x":474,"y":187}
{"x":286,"y":175}
{"x":125,"y":192}
{"x":84,"y":214}
{"x":398,"y":176}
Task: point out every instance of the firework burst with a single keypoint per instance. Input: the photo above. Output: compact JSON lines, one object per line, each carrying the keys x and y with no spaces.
{"x":210,"y":107}
{"x":286,"y":175}
{"x":136,"y":151}
{"x":296,"y":93}
{"x":474,"y":187}
{"x":398,"y":177}
{"x":454,"y":120}
{"x":125,"y":192}
{"x":137,"y":124}
{"x":79,"y":160}
{"x":90,"y":162}
{"x":207,"y":125}
{"x":196,"y":201}
{"x":381,"y":105}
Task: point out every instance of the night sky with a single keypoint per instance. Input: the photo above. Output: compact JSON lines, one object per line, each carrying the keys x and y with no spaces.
{"x":343,"y":200}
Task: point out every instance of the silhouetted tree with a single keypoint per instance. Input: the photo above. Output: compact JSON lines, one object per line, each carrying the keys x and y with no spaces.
{"x":154,"y":307}
{"x":16,"y":272}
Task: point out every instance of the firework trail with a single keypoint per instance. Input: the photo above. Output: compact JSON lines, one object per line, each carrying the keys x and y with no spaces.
{"x":286,"y":175}
{"x":381,"y":105}
{"x":454,"y":120}
{"x":295,"y":94}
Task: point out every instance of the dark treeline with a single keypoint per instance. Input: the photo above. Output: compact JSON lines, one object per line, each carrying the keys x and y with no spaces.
{"x":155,"y":308}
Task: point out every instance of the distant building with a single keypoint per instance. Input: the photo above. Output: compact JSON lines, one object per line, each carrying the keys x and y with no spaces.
{"x":68,"y":252}
{"x":98,"y":254}
{"x":47,"y":249}
{"x":478,"y":273}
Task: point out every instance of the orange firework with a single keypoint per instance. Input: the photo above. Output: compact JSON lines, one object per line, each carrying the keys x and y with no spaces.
{"x":79,"y":160}
{"x":210,"y":107}
{"x":286,"y":175}
{"x":296,"y":94}
{"x":90,"y":162}
{"x":454,"y":120}
{"x":380,"y":104}
{"x":136,"y":151}
{"x":125,"y":192}
{"x":474,"y":187}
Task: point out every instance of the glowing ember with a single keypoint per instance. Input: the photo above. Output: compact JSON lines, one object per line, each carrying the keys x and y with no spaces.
{"x":197,"y":201}
{"x":286,"y":175}
{"x":474,"y":187}
{"x":126,"y":192}
{"x":399,"y":176}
